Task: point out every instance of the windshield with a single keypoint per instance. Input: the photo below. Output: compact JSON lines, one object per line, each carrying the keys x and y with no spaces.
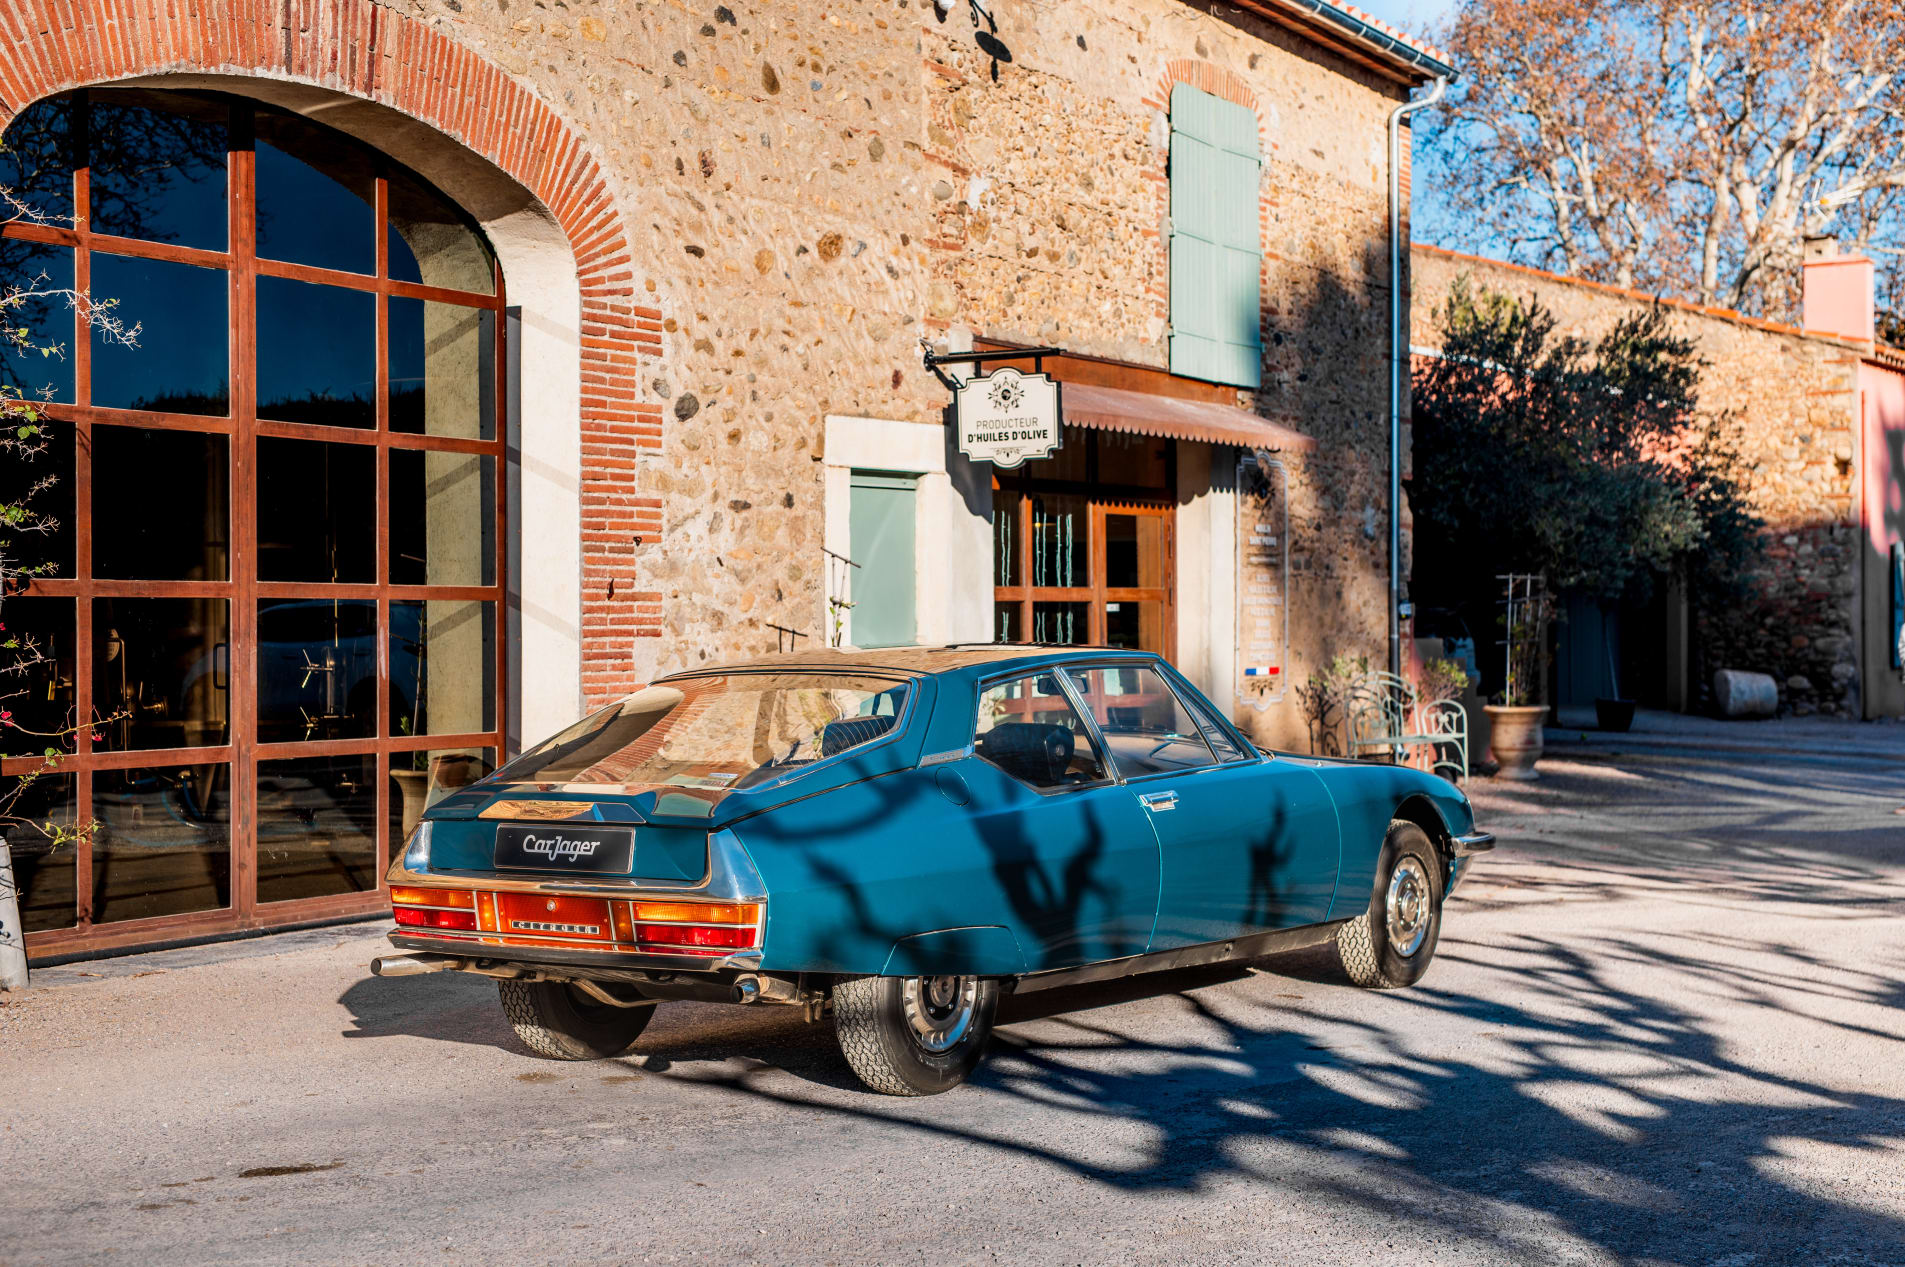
{"x":719,"y":733}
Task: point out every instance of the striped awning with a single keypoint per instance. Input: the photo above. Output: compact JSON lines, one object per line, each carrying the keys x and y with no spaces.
{"x":1140,"y":413}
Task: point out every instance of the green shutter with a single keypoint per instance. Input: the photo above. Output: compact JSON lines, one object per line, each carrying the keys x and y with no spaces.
{"x":1216,"y":252}
{"x":881,"y":516}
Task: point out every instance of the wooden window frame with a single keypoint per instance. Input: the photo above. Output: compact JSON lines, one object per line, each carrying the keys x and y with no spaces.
{"x":242,"y":589}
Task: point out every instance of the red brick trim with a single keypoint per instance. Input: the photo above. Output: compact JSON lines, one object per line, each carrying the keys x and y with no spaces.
{"x":366,"y":50}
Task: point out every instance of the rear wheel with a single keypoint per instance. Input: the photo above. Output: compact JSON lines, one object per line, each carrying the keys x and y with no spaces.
{"x":560,"y":1021}
{"x":914,"y":1035}
{"x":1391,"y":943}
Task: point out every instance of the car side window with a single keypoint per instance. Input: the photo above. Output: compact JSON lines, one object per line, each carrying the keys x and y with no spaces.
{"x":1214,"y":733}
{"x":1029,"y":729}
{"x":1142,"y":720}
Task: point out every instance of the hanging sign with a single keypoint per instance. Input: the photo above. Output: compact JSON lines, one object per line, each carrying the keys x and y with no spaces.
{"x":1008,"y":417}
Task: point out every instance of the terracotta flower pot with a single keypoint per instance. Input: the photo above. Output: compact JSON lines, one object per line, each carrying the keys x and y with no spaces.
{"x":1515,"y":739}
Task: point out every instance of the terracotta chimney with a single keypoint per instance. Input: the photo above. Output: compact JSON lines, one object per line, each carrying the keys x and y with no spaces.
{"x":1839,"y":291}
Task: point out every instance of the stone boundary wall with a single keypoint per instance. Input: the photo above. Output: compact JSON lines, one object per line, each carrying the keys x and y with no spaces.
{"x":1796,"y":394}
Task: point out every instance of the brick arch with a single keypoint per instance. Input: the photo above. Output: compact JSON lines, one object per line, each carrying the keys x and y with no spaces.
{"x":361,"y":49}
{"x":1227,"y":84}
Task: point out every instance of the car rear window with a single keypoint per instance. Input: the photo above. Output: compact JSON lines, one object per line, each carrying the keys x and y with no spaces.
{"x":718,"y":732}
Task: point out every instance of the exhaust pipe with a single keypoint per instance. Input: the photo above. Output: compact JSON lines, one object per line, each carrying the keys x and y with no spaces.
{"x":410,"y":965}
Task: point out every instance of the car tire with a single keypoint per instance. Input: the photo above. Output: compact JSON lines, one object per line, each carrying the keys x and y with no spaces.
{"x":914,"y":1035}
{"x":556,"y":1020}
{"x":1390,"y":944}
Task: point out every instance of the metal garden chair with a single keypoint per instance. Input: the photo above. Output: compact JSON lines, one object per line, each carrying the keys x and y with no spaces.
{"x":1382,"y":714}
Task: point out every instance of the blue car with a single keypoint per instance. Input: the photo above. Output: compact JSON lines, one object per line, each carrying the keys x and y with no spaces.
{"x":901,"y":837}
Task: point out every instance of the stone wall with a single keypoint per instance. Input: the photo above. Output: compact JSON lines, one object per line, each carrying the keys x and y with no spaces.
{"x":1796,"y":395}
{"x":771,"y":204}
{"x":813,"y":189}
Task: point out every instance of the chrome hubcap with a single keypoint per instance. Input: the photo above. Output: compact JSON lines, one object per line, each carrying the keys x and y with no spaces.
{"x":939,"y":1010}
{"x":1408,"y":907}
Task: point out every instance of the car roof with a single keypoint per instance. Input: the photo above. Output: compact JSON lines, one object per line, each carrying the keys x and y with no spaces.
{"x":919,"y":661}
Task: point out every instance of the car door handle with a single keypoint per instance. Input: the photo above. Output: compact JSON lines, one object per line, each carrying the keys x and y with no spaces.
{"x":1158,"y":802}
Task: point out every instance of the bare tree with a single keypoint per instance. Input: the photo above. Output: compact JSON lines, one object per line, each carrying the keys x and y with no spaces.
{"x":1679,"y":146}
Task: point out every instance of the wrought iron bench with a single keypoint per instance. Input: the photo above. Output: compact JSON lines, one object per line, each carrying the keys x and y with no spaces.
{"x":1382,"y":714}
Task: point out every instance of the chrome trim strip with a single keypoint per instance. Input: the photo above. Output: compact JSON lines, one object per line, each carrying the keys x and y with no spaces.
{"x":941,"y":758}
{"x":1236,"y":949}
{"x":416,"y":939}
{"x":1471,"y":844}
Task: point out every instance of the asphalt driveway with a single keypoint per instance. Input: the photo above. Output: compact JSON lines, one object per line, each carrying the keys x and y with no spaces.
{"x":1667,"y":1025}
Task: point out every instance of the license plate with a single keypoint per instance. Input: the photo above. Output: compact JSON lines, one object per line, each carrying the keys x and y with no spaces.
{"x":562,"y":848}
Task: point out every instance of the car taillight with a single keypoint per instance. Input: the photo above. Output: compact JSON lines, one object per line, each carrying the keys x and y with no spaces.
{"x":419,"y":917}
{"x":697,"y":913}
{"x":695,"y":936}
{"x":405,"y":895}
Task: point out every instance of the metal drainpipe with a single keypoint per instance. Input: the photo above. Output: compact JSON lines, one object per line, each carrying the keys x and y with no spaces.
{"x":1398,"y":363}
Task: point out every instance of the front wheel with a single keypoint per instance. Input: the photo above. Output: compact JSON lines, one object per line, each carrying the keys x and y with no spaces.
{"x":914,"y":1035}
{"x":559,"y":1021}
{"x":1391,"y":943}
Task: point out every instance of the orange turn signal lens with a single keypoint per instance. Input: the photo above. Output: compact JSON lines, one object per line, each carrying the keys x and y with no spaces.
{"x":461,"y":899}
{"x":697,"y":913}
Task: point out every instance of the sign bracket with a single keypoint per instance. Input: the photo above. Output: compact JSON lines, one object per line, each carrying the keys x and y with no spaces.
{"x":936,"y":359}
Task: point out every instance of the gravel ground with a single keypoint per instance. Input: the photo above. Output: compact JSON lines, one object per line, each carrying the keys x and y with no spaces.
{"x":1664,"y":1027}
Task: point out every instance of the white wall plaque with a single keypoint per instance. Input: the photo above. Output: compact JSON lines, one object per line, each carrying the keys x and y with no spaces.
{"x":1263,"y":581}
{"x":1008,"y":418}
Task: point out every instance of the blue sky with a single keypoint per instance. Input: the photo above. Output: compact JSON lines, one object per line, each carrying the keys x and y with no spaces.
{"x":1411,"y":15}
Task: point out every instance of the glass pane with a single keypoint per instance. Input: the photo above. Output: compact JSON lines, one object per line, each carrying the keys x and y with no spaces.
{"x":1031,"y":731}
{"x":1008,"y":622}
{"x":1214,"y":734}
{"x":442,"y":518}
{"x":419,"y":780}
{"x":317,"y":207}
{"x":1132,"y":461}
{"x":317,"y":354}
{"x":1060,"y":539}
{"x":178,"y":360}
{"x":36,"y":165}
{"x":442,"y":369}
{"x":442,"y":667}
{"x":38,"y":362}
{"x":162,"y":672}
{"x":317,"y":669}
{"x":1005,"y":536}
{"x":1070,"y":461}
{"x":163,"y":843}
{"x":317,"y":827}
{"x":717,"y":733}
{"x":37,"y":637}
{"x":1134,"y":551}
{"x":44,"y":873}
{"x":315,"y":517}
{"x":1064,"y":624}
{"x":1137,"y":625}
{"x":1145,"y":727}
{"x":41,"y":480}
{"x":158,"y":167}
{"x":433,"y":242}
{"x":135,"y":472}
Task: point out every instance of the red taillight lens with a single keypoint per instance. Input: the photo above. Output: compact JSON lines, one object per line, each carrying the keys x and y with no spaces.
{"x":694,"y":936}
{"x":414,"y":918}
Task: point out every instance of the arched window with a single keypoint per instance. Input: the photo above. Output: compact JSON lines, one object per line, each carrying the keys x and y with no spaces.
{"x":278,"y":572}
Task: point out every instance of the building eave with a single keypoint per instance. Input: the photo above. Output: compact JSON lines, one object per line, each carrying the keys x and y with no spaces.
{"x":1359,"y":36}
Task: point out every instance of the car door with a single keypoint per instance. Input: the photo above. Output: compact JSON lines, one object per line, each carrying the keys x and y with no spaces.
{"x":1246,"y":843}
{"x":1071,"y":850}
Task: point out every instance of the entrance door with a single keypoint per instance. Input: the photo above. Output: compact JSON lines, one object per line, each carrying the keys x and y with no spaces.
{"x":269,"y":617}
{"x":1083,"y":546}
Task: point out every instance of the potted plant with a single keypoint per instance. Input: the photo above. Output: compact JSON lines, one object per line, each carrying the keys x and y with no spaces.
{"x":1515,"y":723}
